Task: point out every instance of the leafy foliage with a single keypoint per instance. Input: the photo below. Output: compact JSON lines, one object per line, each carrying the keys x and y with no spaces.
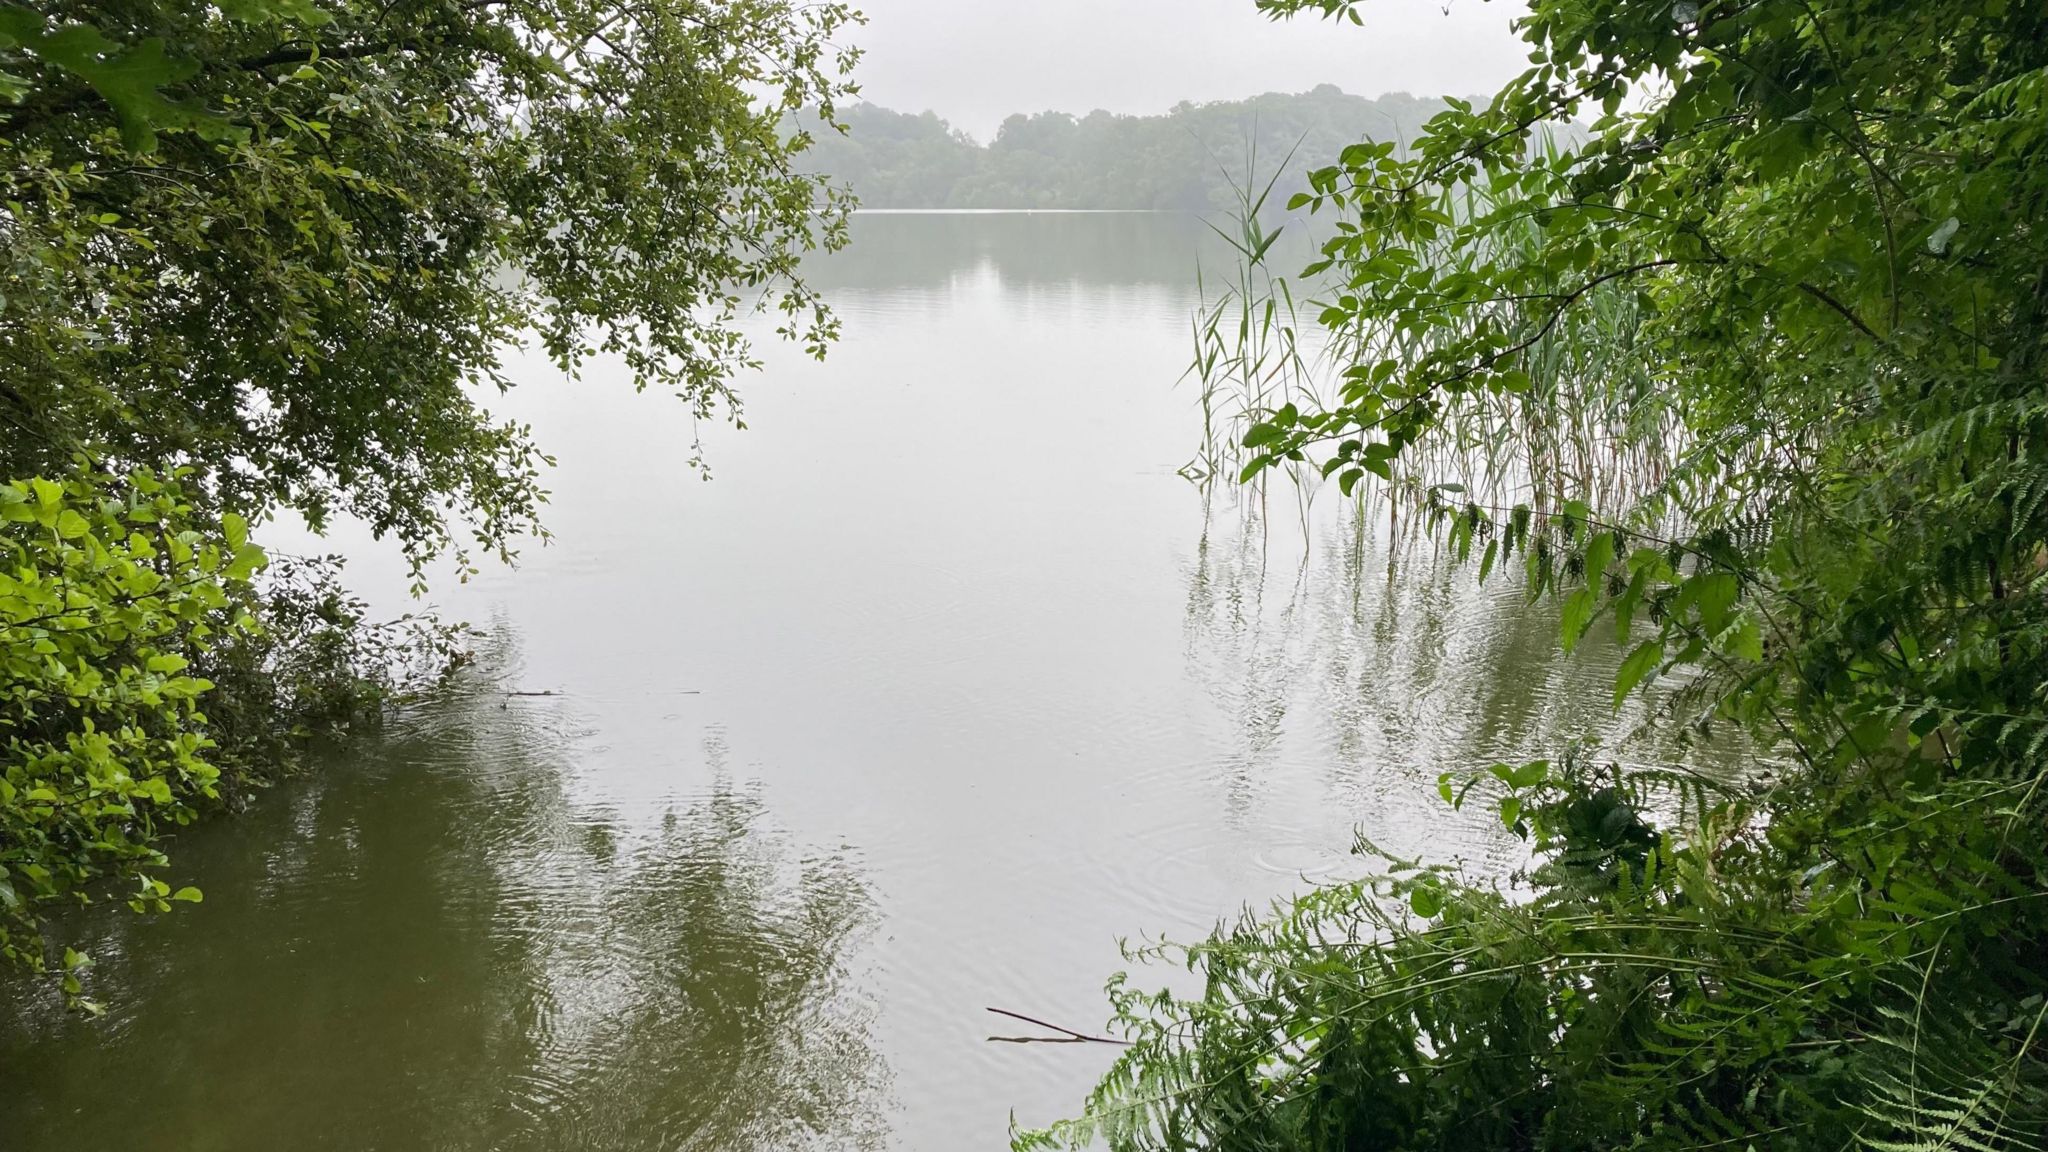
{"x":288,"y":241}
{"x":320,"y":670}
{"x":1644,"y":990}
{"x":109,"y":591}
{"x":1770,"y":344}
{"x":267,"y":254}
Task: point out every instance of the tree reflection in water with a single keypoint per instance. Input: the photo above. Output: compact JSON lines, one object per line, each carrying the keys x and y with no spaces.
{"x":437,"y":948}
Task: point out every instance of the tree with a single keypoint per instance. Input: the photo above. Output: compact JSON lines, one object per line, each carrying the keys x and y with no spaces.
{"x":1797,"y":269}
{"x":286,"y":241}
{"x":267,"y":253}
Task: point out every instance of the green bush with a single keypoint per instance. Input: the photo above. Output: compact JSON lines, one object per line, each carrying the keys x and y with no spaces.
{"x":157,"y":665}
{"x":111,"y":589}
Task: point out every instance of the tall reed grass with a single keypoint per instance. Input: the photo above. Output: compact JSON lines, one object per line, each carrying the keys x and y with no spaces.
{"x":1591,"y":421}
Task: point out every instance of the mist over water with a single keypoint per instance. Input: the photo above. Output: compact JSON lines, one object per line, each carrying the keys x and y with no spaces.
{"x":943,"y":685}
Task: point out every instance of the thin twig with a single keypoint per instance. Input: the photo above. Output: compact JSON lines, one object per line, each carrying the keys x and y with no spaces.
{"x":1077,"y":1037}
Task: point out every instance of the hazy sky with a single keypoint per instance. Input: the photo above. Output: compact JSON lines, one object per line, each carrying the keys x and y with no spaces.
{"x":976,"y":61}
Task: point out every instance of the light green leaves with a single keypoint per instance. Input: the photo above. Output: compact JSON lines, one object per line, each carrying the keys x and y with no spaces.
{"x":1263,"y":433}
{"x":1745,"y":641}
{"x":1520,"y":777}
{"x":248,"y":559}
{"x":1426,"y":898}
{"x":1599,"y":554}
{"x":1455,"y":797}
{"x":103,"y":610}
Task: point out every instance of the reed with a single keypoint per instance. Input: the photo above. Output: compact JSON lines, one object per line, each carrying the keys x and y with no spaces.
{"x":1590,"y":421}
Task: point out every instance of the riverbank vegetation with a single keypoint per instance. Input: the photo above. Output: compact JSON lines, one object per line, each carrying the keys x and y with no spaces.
{"x":266,"y":256}
{"x":1187,"y":159}
{"x":1752,"y":376}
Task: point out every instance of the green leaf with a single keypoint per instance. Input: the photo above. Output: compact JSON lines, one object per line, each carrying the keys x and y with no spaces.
{"x":1521,"y":777}
{"x":1455,"y":797}
{"x":1579,"y":610}
{"x":1638,"y":664}
{"x":1426,"y":900}
{"x":1599,"y":554}
{"x":248,"y":559}
{"x":189,"y":895}
{"x":1715,"y":594}
{"x":1745,"y":641}
{"x":1263,"y":433}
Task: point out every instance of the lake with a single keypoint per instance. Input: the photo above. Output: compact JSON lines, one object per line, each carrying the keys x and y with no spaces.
{"x":945,"y":683}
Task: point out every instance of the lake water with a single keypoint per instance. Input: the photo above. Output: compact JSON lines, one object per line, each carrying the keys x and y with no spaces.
{"x":942,"y":686}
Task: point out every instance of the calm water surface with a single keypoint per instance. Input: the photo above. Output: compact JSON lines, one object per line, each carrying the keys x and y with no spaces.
{"x":942,"y":686}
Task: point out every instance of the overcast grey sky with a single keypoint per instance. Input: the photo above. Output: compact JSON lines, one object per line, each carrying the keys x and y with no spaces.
{"x":976,"y":61}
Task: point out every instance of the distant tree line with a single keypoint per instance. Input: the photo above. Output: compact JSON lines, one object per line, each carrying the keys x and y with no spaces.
{"x":1191,"y":157}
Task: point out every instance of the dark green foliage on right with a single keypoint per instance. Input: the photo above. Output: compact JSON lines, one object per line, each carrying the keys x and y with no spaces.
{"x":1774,"y":349}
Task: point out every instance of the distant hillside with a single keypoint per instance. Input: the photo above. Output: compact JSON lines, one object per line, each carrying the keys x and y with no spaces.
{"x":1184,"y":159}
